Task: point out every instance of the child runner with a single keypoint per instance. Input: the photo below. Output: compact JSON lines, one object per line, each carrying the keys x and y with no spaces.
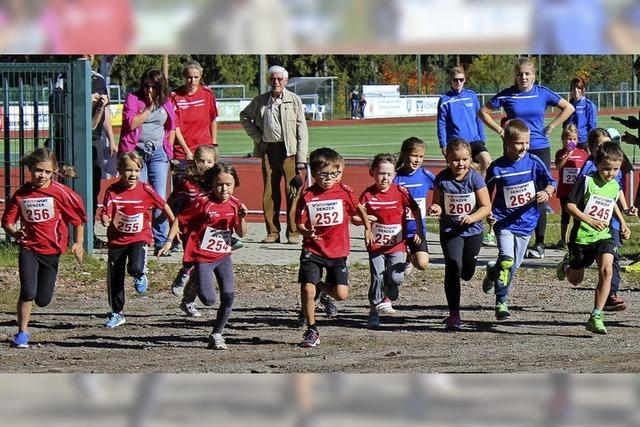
{"x":127,"y":215}
{"x":386,"y":204}
{"x":415,"y":178}
{"x":595,"y":139}
{"x":183,"y":195}
{"x":592,"y":203}
{"x":568,"y":160}
{"x":521,"y":181}
{"x":213,"y":219}
{"x":322,"y":217}
{"x":44,"y":209}
{"x":461,"y":199}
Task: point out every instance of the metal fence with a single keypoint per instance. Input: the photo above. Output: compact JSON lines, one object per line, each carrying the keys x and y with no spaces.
{"x":47,"y":104}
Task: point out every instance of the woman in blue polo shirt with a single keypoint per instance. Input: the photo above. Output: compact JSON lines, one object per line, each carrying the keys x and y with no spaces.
{"x":527,"y":101}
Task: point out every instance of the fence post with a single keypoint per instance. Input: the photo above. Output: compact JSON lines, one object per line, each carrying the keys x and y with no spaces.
{"x":81,"y":137}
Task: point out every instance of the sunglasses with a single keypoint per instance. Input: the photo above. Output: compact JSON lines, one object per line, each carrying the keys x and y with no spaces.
{"x":457,"y":80}
{"x":273,"y":79}
{"x":325,"y":175}
{"x":150,"y":86}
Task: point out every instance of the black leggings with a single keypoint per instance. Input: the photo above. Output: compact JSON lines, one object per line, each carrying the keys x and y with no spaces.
{"x":545,"y":155}
{"x":460,"y":257}
{"x":137,"y":254}
{"x":37,"y":276}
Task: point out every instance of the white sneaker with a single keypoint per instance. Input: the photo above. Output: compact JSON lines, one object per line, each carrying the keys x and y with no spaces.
{"x":216,"y":341}
{"x":385,"y":308}
{"x":408,"y":268}
{"x":190,"y":309}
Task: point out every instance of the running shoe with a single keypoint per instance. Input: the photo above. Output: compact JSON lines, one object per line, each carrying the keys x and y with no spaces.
{"x":561,"y":273}
{"x":20,"y":340}
{"x":632,"y":268}
{"x":596,"y":324}
{"x":559,"y":245}
{"x":141,"y":283}
{"x":502,"y":310}
{"x":453,"y":324}
{"x":385,"y":308}
{"x":311,"y":338}
{"x":236,"y":244}
{"x":329,"y":304}
{"x":487,"y":283}
{"x":216,"y":342}
{"x":536,"y":252}
{"x":614,"y":303}
{"x":373,"y":321}
{"x":504,"y":272}
{"x":114,"y":320}
{"x":489,"y":240}
{"x":177,"y":287}
{"x":190,"y":309}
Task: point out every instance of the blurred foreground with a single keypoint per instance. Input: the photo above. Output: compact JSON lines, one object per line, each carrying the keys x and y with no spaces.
{"x":319,"y":400}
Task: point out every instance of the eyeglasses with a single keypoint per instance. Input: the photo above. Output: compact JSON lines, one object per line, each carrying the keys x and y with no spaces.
{"x":273,"y":79}
{"x":325,"y":175}
{"x":457,"y":80}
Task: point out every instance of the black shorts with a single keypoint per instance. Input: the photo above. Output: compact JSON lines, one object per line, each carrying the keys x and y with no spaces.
{"x":37,"y":274}
{"x":311,"y":266}
{"x":582,"y":256}
{"x":421,"y":247}
{"x":477,"y":147}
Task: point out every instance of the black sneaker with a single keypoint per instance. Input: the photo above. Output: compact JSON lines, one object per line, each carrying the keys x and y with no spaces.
{"x":98,"y":243}
{"x":537,"y":252}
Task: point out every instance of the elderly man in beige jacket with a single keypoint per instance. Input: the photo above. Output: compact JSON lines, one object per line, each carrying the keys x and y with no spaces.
{"x":276,"y":123}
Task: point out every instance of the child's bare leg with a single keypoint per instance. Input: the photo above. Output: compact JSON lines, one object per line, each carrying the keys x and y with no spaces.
{"x":307,"y":295}
{"x":338,"y":292}
{"x":420,"y":260}
{"x":24,"y":313}
{"x":605,"y":272}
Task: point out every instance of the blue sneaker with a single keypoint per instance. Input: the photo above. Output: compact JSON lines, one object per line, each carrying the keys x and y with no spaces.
{"x":141,"y":283}
{"x":115,"y":320}
{"x":20,"y":340}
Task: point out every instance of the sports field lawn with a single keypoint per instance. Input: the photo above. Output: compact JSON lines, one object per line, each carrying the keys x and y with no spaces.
{"x":364,"y":141}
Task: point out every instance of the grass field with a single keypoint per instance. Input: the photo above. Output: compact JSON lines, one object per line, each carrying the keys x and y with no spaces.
{"x":364,"y":141}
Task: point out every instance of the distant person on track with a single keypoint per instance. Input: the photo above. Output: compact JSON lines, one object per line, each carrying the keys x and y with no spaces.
{"x":44,"y":208}
{"x":196,"y":115}
{"x":148,"y":127}
{"x":527,"y":101}
{"x":585,"y":116}
{"x":354,"y":99}
{"x":322,"y":215}
{"x":275,"y":122}
{"x":592,"y":203}
{"x":458,"y":118}
{"x":461,"y":200}
{"x":363,"y":105}
{"x":411,"y":174}
{"x":386,"y":204}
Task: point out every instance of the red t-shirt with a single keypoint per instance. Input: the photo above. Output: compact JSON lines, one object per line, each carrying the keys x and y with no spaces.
{"x":44,"y":214}
{"x":185,"y":195}
{"x":328,"y":211}
{"x":194,"y":114}
{"x":389,"y":208}
{"x":130,"y":212}
{"x":211,"y":224}
{"x":568,"y":173}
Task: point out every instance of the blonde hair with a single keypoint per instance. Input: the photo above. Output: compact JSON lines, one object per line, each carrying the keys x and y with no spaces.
{"x":131,"y":156}
{"x":456,"y":70}
{"x":570,"y":129}
{"x":513,"y":129}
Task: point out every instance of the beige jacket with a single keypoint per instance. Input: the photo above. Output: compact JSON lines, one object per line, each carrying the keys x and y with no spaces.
{"x":294,"y":124}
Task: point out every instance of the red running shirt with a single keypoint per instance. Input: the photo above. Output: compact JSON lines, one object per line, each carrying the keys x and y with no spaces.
{"x":194,"y":114}
{"x":44,"y":214}
{"x":568,"y":173}
{"x":211,"y":226}
{"x":390,"y":210}
{"x":130,"y":213}
{"x":328,"y":212}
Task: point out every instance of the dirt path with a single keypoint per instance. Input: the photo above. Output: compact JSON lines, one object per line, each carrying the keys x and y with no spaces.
{"x":545,"y":334}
